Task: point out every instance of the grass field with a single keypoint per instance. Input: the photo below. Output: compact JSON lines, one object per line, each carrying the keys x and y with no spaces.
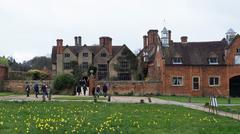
{"x":6,"y":93}
{"x":230,"y":109}
{"x":86,"y":117}
{"x":202,"y":100}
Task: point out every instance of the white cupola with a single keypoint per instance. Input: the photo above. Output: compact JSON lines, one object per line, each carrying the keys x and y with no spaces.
{"x":230,"y":35}
{"x":165,"y":37}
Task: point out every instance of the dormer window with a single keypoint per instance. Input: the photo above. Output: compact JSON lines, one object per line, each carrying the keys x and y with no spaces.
{"x":177,"y":60}
{"x":67,"y":55}
{"x":213,"y":60}
{"x":238,"y":51}
{"x":103,"y":55}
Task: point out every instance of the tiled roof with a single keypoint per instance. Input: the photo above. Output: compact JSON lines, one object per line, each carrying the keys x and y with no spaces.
{"x":195,"y":53}
{"x":76,"y":49}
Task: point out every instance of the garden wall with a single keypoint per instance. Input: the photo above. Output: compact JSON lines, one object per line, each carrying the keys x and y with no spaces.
{"x":18,"y":86}
{"x":133,"y":87}
{"x":117,"y":87}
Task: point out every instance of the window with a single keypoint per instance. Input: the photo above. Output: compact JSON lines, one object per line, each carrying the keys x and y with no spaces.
{"x":213,"y":60}
{"x":237,"y":59}
{"x":85,"y":54}
{"x":177,"y":60}
{"x":177,"y":81}
{"x":124,"y":76}
{"x":165,"y":35}
{"x":103,"y":55}
{"x":102,"y":71}
{"x":196,"y":83}
{"x":67,"y":66}
{"x":238,"y":51}
{"x":124,"y":70}
{"x":67,"y":55}
{"x":124,"y":65}
{"x":214,"y":81}
{"x":85,"y":65}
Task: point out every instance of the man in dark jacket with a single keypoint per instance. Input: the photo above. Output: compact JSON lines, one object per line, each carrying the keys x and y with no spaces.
{"x":27,"y":88}
{"x":36,"y":89}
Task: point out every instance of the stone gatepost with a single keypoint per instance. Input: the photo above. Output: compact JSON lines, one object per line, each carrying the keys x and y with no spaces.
{"x":92,"y":83}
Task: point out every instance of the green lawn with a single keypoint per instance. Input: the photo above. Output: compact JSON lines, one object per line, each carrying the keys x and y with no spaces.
{"x":231,"y":109}
{"x":6,"y":93}
{"x":77,"y":98}
{"x":86,"y":117}
{"x":202,"y":100}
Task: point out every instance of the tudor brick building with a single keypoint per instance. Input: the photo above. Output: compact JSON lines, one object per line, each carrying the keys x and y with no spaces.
{"x":192,"y":68}
{"x":112,"y":61}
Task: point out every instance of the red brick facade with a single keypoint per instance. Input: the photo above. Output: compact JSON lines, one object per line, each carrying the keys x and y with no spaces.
{"x":3,"y":72}
{"x":160,"y":69}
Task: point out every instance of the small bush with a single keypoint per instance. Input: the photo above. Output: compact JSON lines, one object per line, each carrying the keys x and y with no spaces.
{"x":37,"y":75}
{"x":64,"y":81}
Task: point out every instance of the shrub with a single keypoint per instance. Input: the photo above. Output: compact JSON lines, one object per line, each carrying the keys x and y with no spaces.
{"x":37,"y":75}
{"x":63,"y":81}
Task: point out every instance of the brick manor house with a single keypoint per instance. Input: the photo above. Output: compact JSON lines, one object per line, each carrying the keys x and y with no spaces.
{"x":192,"y":68}
{"x":112,"y":62}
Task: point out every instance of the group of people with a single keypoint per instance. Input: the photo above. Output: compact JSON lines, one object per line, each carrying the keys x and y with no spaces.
{"x":98,"y":90}
{"x":44,"y":88}
{"x":82,"y":84}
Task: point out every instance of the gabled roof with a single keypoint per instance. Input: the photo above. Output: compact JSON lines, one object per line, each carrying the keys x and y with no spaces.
{"x":76,"y":49}
{"x":196,"y":53}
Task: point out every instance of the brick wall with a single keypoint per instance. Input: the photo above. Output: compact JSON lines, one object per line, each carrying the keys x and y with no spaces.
{"x":3,"y":72}
{"x":203,"y":72}
{"x":18,"y":86}
{"x":133,"y":87}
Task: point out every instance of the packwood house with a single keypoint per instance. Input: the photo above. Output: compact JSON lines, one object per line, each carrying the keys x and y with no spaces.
{"x":181,"y":68}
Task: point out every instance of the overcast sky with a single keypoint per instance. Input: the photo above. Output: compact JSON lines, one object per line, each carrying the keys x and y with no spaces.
{"x":30,"y":28}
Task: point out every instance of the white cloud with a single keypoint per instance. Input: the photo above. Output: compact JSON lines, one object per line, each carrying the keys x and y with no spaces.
{"x":32,"y":26}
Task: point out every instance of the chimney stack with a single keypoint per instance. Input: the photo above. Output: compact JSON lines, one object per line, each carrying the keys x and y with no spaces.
{"x":59,"y":46}
{"x":78,"y":40}
{"x":169,"y":36}
{"x":152,"y":38}
{"x":107,"y":43}
{"x":145,"y":41}
{"x":184,"y":39}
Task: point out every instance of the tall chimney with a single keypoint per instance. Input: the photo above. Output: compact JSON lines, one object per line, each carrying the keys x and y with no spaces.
{"x":152,"y":38}
{"x":169,"y":36}
{"x":107,"y":43}
{"x":184,"y":39}
{"x":59,"y":46}
{"x":145,"y":41}
{"x":78,"y":40}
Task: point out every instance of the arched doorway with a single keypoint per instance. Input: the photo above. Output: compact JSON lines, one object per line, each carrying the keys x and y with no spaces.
{"x":235,"y":86}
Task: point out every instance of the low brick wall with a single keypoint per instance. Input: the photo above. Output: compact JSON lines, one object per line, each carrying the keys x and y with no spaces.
{"x":18,"y":86}
{"x":3,"y":72}
{"x":116,"y":87}
{"x":133,"y":87}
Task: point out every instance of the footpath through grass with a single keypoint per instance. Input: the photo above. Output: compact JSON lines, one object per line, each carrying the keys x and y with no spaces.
{"x":201,"y":100}
{"x":86,"y":117}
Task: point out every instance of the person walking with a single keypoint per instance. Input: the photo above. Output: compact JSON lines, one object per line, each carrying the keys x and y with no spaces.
{"x":36,"y":89}
{"x":105,"y":88}
{"x":44,"y":91}
{"x":78,"y":89}
{"x":27,"y":88}
{"x":98,"y":91}
{"x":84,"y":89}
